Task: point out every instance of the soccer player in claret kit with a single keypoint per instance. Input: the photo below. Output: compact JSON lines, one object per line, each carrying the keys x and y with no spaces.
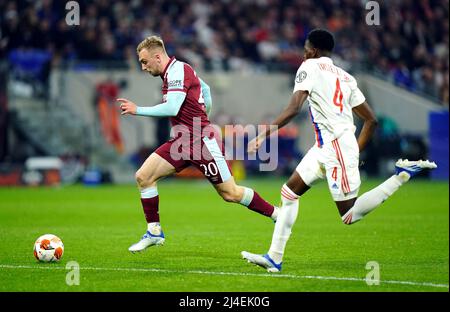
{"x":333,"y":96}
{"x":187,"y":101}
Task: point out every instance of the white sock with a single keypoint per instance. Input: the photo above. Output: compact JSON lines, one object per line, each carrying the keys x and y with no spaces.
{"x":247,"y":197}
{"x":154,"y":228}
{"x":287,"y":215}
{"x":373,"y":198}
{"x":149,"y":192}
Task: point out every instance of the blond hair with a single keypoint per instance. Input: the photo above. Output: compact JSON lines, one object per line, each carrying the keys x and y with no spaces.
{"x":150,"y":43}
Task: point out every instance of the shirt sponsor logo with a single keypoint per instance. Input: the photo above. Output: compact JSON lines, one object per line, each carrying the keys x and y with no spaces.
{"x":175,"y":84}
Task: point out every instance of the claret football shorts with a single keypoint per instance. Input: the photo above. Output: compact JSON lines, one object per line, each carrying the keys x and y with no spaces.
{"x":205,"y":153}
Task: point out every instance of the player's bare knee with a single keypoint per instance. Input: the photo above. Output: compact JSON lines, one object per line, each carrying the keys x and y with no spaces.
{"x":143,"y":179}
{"x":229,"y":197}
{"x":139,"y":177}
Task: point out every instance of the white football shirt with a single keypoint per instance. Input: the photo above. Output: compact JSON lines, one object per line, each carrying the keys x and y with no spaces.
{"x":332,"y":94}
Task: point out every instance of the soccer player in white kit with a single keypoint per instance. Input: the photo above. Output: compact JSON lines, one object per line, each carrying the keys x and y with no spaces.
{"x":333,"y":97}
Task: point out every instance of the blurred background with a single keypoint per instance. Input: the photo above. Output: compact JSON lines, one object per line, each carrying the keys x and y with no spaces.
{"x":60,"y":124}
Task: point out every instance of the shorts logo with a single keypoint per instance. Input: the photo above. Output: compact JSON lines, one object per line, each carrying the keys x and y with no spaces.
{"x":300,"y":77}
{"x":334,"y":186}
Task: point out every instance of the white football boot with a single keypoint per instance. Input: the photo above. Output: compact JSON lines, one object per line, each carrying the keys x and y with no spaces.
{"x":407,"y":168}
{"x":263,"y":261}
{"x":148,"y":240}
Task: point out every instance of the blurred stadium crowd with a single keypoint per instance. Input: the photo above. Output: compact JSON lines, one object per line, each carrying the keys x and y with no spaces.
{"x":409,"y":48}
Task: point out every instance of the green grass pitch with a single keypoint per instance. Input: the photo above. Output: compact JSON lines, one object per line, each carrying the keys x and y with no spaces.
{"x":407,"y":236}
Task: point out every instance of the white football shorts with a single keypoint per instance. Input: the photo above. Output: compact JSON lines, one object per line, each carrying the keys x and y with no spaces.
{"x":338,"y":161}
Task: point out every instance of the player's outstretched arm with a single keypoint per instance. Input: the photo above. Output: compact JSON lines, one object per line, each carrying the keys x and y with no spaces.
{"x":167,"y":109}
{"x":294,"y":107}
{"x":364,"y":112}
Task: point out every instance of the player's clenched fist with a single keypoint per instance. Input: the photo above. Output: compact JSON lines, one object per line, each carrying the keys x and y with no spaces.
{"x":127,"y":107}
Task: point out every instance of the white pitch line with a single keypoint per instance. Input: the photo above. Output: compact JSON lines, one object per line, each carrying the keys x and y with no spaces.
{"x":228,"y":273}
